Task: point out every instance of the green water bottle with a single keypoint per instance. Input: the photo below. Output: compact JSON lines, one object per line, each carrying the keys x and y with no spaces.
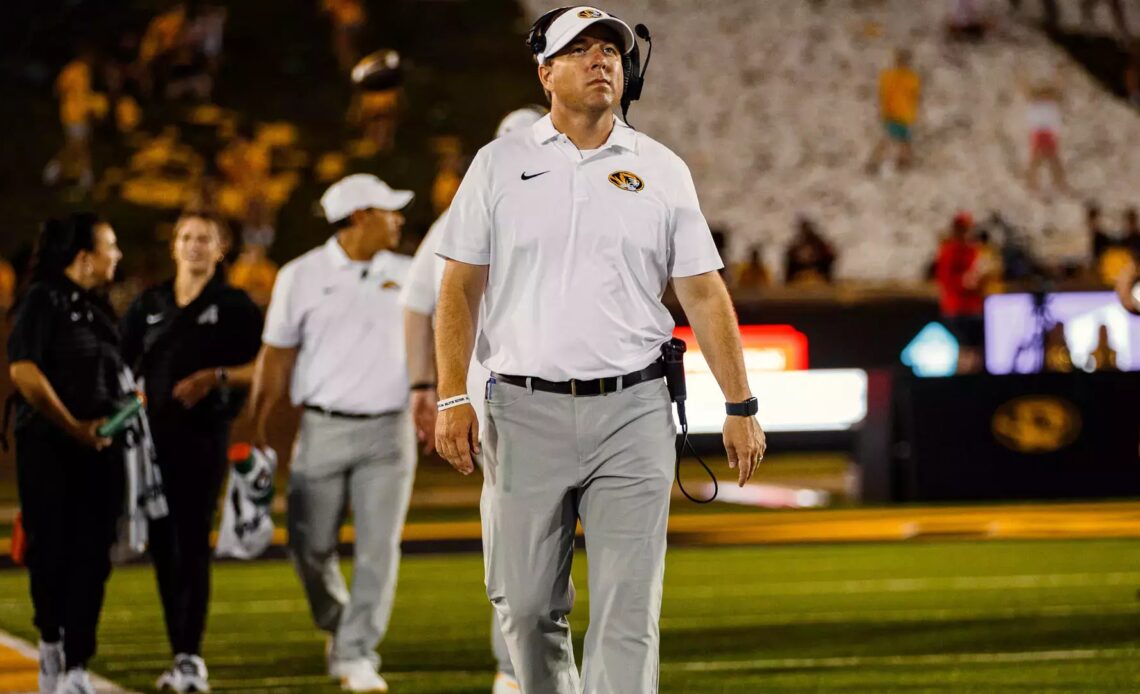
{"x":119,"y":421}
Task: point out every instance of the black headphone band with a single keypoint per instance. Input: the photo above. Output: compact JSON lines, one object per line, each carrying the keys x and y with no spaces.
{"x":633,"y":77}
{"x":536,"y":38}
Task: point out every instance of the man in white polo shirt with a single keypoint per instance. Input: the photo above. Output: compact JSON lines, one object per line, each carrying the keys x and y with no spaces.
{"x":569,"y":233}
{"x":419,"y":297}
{"x":334,"y":334}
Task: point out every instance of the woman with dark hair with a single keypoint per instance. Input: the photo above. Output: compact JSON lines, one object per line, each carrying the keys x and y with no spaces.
{"x":190,"y":339}
{"x":63,"y":352}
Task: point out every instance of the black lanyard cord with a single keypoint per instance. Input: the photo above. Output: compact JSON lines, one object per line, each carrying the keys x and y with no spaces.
{"x":682,"y":441}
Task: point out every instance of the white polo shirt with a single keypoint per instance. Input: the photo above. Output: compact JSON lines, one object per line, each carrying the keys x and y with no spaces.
{"x":580,"y":246}
{"x":421,"y":294}
{"x":345,"y":317}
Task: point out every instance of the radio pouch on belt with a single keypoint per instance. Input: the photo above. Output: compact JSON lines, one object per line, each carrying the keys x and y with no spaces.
{"x":673,"y":352}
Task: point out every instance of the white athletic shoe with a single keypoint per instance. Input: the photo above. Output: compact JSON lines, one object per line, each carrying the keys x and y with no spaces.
{"x":51,"y":666}
{"x":505,"y":684}
{"x":188,"y":674}
{"x":75,"y":681}
{"x":358,"y":676}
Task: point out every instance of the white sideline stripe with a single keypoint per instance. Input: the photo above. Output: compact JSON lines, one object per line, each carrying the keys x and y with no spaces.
{"x":909,"y":585}
{"x":901,"y":615}
{"x":32,"y":653}
{"x":904,"y":660}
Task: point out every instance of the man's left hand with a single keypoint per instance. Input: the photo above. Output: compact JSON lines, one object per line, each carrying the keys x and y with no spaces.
{"x":745,"y":444}
{"x":424,"y":412}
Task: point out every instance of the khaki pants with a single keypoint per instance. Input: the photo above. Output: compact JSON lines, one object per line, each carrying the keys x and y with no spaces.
{"x":551,"y":460}
{"x":370,"y":464}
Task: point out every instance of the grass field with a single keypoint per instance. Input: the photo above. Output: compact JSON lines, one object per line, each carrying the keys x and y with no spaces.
{"x":1046,"y":616}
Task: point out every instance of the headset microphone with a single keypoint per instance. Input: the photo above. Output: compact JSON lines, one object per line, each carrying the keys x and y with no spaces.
{"x":634,"y":71}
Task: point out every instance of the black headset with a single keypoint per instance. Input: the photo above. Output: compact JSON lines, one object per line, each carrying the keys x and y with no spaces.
{"x":632,"y":71}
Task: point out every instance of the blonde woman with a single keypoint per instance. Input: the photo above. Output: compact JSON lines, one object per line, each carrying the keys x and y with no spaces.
{"x":192,"y":339}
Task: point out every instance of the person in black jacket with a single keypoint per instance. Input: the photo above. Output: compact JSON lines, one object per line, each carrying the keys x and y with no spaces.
{"x":191,"y":340}
{"x":63,"y":352}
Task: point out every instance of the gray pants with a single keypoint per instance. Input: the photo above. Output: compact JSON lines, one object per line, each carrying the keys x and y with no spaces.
{"x":368,"y":464}
{"x":551,"y":460}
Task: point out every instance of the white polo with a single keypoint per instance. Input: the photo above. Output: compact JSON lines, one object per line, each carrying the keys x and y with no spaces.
{"x":421,"y":294}
{"x":345,"y":317}
{"x":581,"y":246}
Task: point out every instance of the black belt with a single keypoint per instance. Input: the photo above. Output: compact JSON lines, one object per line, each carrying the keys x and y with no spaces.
{"x":344,"y":415}
{"x":597,"y":386}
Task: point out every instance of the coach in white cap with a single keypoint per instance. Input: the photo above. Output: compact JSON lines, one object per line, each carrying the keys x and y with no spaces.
{"x":568,"y":232}
{"x":334,"y":334}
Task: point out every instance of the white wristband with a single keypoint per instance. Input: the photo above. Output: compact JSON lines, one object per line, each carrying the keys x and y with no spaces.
{"x":452,"y":402}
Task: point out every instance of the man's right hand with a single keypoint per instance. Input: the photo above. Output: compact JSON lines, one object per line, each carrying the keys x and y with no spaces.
{"x":424,"y":414}
{"x":86,"y":433}
{"x":457,"y":437}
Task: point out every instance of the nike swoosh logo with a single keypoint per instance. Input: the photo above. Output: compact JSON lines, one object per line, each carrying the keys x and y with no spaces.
{"x":527,"y":178}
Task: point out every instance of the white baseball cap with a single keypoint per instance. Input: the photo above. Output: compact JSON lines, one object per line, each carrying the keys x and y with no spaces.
{"x":574,"y":21}
{"x":520,"y":118}
{"x":361,"y":192}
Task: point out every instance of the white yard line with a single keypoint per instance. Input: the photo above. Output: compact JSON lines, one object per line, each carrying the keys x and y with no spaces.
{"x":903,"y":660}
{"x":720,"y":591}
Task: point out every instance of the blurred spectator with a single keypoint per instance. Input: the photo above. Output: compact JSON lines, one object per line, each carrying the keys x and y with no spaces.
{"x":121,"y":75}
{"x":967,"y":21}
{"x":348,"y":18}
{"x":253,"y":271}
{"x":161,"y":38}
{"x":809,"y":258}
{"x":77,"y":103}
{"x":195,"y":53}
{"x":1088,"y":9}
{"x":1103,"y":356}
{"x":960,"y":295}
{"x":900,"y":90}
{"x":1058,"y":358}
{"x":1051,"y":13}
{"x":207,"y":29}
{"x":752,"y":275}
{"x":1043,"y":117}
{"x":1099,"y":239}
{"x":245,"y":163}
{"x":1132,"y":75}
{"x":990,"y":267}
{"x":1112,"y":254}
{"x":1130,"y":234}
{"x":204,"y":199}
{"x":7,"y":286}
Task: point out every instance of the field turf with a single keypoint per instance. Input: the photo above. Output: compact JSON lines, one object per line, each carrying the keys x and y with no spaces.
{"x":951,"y":616}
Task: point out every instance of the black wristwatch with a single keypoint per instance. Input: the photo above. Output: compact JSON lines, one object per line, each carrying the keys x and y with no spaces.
{"x":748,"y":408}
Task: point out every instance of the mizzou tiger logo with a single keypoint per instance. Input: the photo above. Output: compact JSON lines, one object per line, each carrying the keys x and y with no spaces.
{"x":627,"y":181}
{"x":590,"y":13}
{"x":1036,"y":424}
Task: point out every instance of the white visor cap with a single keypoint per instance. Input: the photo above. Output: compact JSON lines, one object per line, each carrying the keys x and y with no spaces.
{"x":361,"y":192}
{"x":574,"y":21}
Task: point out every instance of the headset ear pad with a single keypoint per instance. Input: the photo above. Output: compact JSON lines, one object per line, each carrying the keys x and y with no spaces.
{"x":632,"y":82}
